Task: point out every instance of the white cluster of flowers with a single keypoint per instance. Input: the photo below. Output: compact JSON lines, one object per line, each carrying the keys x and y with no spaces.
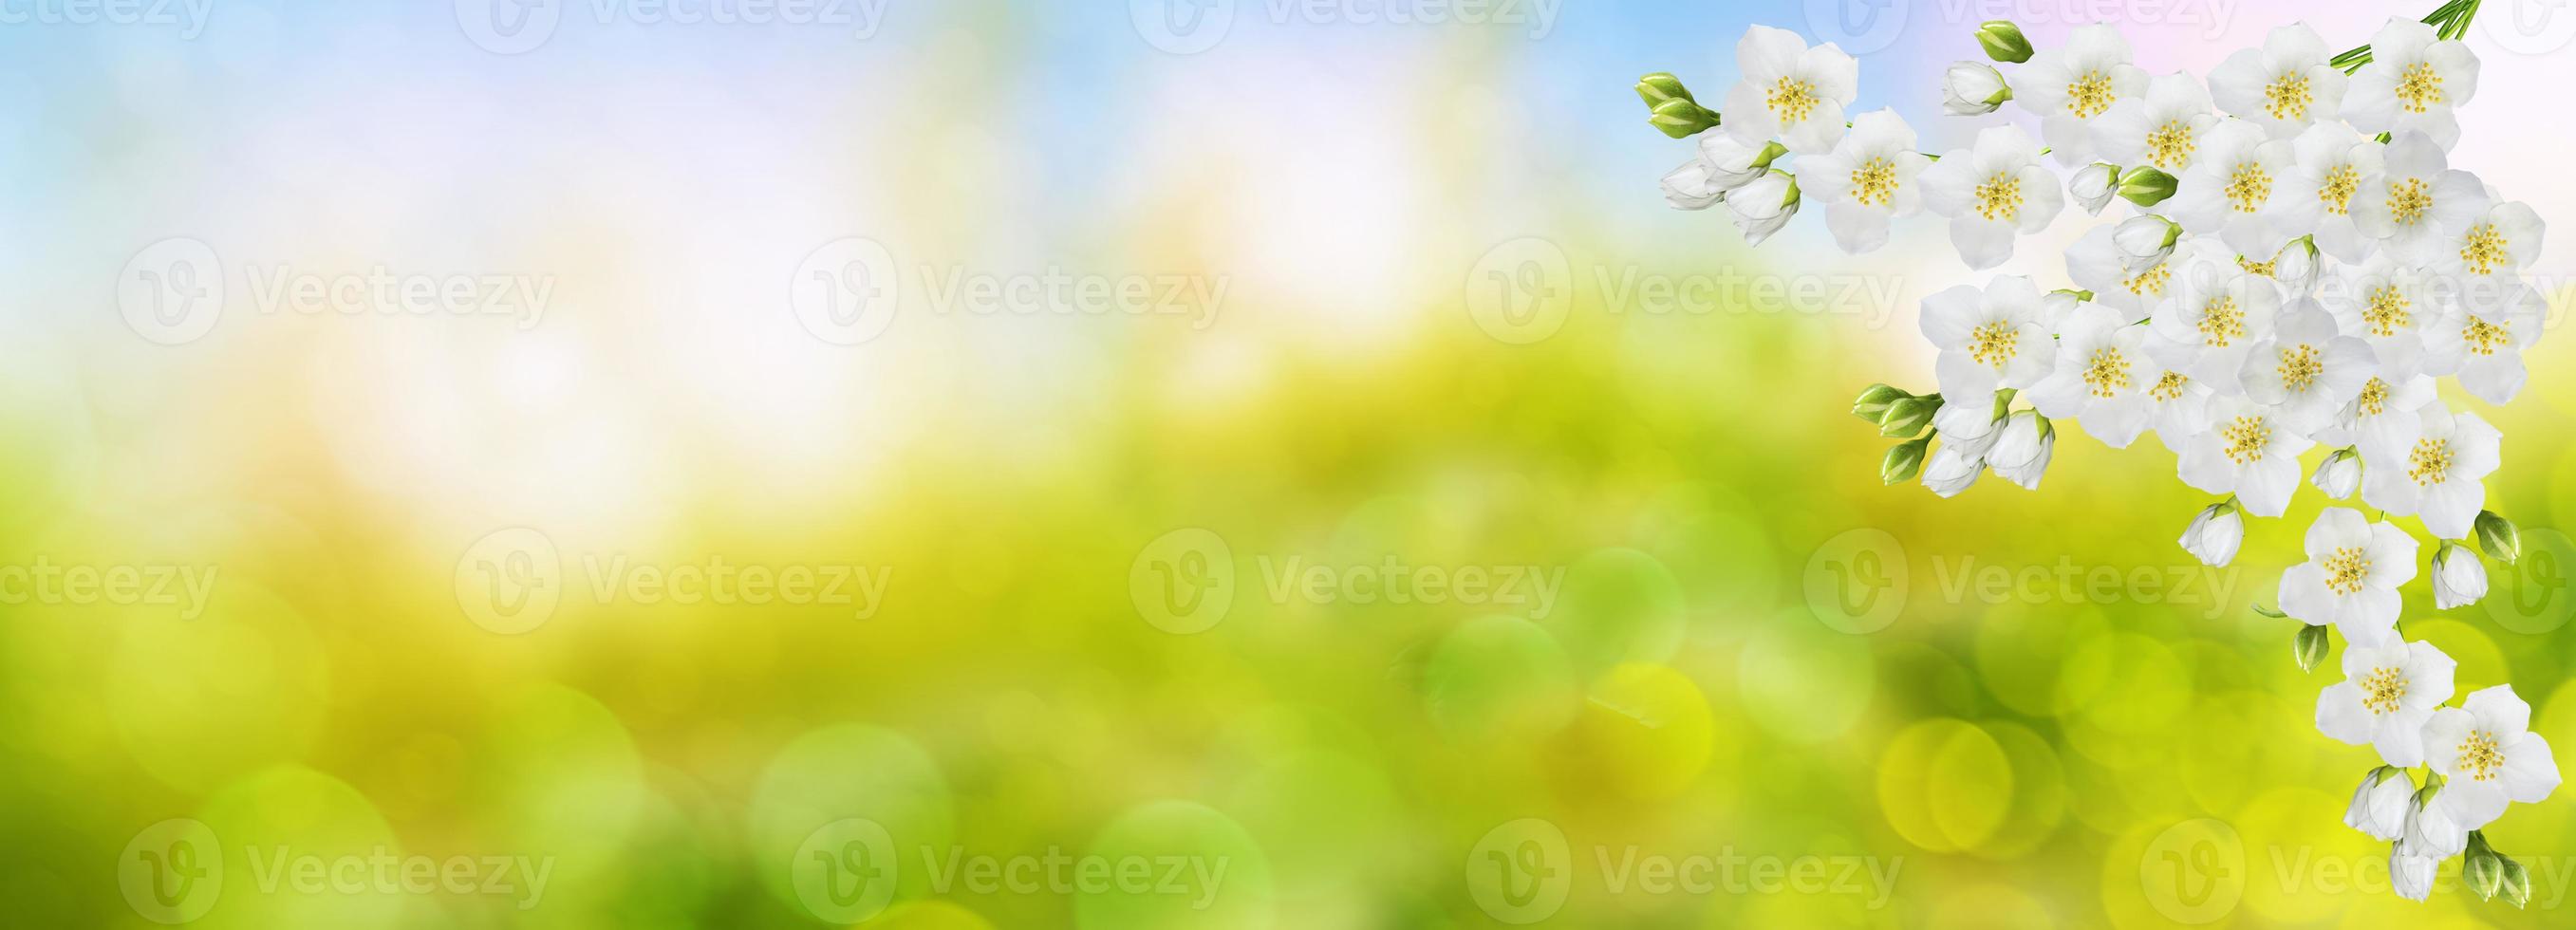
{"x":2303,"y":267}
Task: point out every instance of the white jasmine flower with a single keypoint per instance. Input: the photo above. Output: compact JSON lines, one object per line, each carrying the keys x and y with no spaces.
{"x":2215,"y":312}
{"x":2161,"y":127}
{"x":2435,"y":470}
{"x":2249,"y":454}
{"x":2339,"y":475}
{"x":2488,"y":756}
{"x":2500,"y":243}
{"x":1992,"y":193}
{"x":2296,"y":267}
{"x":2177,"y":406}
{"x":1967,"y":416}
{"x":2214,"y":534}
{"x":2418,"y":203}
{"x":1690,"y":187}
{"x":2413,"y":83}
{"x":2483,"y":344}
{"x":2387,"y":305}
{"x":2379,"y":806}
{"x":2073,"y":86}
{"x":2145,"y":242}
{"x":2330,"y":165}
{"x":1764,"y":206}
{"x":2412,"y":876}
{"x":2101,"y":377}
{"x":2390,"y":689}
{"x":1867,"y":180}
{"x":2023,"y":448}
{"x":2433,"y":831}
{"x":2093,"y":186}
{"x":1957,"y":463}
{"x":2350,"y":579}
{"x":2096,"y":264}
{"x":1972,"y":88}
{"x":2285,"y":86}
{"x":2229,"y":189}
{"x":1789,"y":91}
{"x":2381,"y":416}
{"x":1988,"y":339}
{"x":2307,"y":370}
{"x":2459,"y":579}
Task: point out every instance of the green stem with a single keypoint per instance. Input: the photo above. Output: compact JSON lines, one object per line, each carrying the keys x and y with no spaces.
{"x":2450,"y":21}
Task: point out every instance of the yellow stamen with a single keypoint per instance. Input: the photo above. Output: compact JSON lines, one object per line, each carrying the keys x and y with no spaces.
{"x":2419,"y":87}
{"x":2430,"y":463}
{"x":2287,"y":97}
{"x":2108,"y":373}
{"x":2246,"y":438}
{"x":1999,"y":198}
{"x":1791,"y":100}
{"x":2090,"y":95}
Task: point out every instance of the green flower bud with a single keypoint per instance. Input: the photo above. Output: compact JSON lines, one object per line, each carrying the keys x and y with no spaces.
{"x":2517,"y":883}
{"x":1908,"y":416}
{"x":1658,"y":87}
{"x":2497,"y":536}
{"x":1904,"y":460}
{"x":2310,"y":648}
{"x":2483,"y":870}
{"x":2146,"y":186}
{"x":1681,"y":119}
{"x":2003,"y":41}
{"x":1873,"y":402}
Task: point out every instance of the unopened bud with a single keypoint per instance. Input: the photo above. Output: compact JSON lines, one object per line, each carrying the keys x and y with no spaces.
{"x":2003,"y":41}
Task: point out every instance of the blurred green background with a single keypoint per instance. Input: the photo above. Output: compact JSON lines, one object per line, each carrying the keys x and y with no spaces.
{"x":1687,"y":663}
